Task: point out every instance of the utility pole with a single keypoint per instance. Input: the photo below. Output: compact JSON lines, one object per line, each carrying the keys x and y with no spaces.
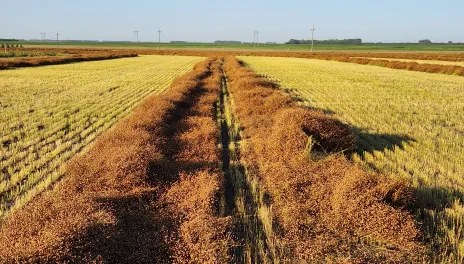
{"x":255,"y":38}
{"x":57,"y":35}
{"x":43,"y":36}
{"x":136,"y":34}
{"x":159,"y":37}
{"x":312,"y":38}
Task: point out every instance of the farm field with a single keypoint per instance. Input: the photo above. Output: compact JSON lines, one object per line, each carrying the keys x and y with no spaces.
{"x":438,"y":56}
{"x":49,"y":114}
{"x":249,"y":46}
{"x":181,"y":132}
{"x":383,"y":59}
{"x":457,"y":63}
{"x":16,"y":54}
{"x":407,"y":124}
{"x":219,"y":168}
{"x":14,"y":58}
{"x":204,"y":157}
{"x":382,"y":102}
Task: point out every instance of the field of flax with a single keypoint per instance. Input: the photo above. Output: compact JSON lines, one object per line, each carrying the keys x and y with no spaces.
{"x":146,"y":192}
{"x":30,"y":58}
{"x":438,"y":62}
{"x":222,"y":166}
{"x":423,"y":62}
{"x":48,"y":114}
{"x":321,"y":206}
{"x":407,"y":124}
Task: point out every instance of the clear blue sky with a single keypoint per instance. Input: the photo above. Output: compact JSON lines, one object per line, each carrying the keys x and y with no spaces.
{"x":203,"y":20}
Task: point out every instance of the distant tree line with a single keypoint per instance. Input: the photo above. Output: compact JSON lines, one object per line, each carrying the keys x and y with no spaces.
{"x":429,"y":42}
{"x":360,"y":42}
{"x":356,"y":41}
{"x":425,"y":42}
{"x":227,"y":42}
{"x":178,"y":42}
{"x":8,"y":39}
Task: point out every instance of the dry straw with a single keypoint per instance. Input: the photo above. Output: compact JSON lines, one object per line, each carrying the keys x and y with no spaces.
{"x":325,"y":208}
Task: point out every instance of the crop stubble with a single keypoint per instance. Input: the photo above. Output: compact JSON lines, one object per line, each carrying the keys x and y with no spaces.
{"x":148,"y":189}
{"x":327,"y":209}
{"x":48,"y":114}
{"x":125,"y":199}
{"x":408,"y":125}
{"x":424,"y":62}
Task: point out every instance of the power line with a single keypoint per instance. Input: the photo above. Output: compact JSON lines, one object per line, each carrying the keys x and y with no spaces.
{"x":312,"y":38}
{"x":57,"y":35}
{"x":43,"y":36}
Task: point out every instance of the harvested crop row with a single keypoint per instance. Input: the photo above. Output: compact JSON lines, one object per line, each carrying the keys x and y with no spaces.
{"x":341,"y":57}
{"x":458,"y":63}
{"x":41,"y":61}
{"x":145,"y":192}
{"x":327,"y":209}
{"x":359,"y":58}
{"x":242,"y":193}
{"x":202,"y":236}
{"x":51,"y":113}
{"x":407,"y":125}
{"x":402,"y":65}
{"x":439,"y":56}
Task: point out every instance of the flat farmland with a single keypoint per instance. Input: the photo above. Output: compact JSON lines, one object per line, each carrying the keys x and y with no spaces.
{"x":415,"y":116}
{"x":48,"y":114}
{"x":457,"y":63}
{"x":203,"y":157}
{"x":407,"y":124}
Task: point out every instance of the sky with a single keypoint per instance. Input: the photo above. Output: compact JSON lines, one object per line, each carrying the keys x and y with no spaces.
{"x":207,"y":20}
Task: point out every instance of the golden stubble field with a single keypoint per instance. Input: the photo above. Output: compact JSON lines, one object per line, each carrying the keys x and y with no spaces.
{"x":48,"y":114}
{"x":266,"y":159}
{"x":407,"y":124}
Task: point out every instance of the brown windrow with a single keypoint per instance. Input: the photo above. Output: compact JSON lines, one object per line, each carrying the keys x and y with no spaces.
{"x":147,"y":191}
{"x":66,"y":58}
{"x":364,"y":58}
{"x":152,"y":190}
{"x":382,"y":59}
{"x":320,"y":206}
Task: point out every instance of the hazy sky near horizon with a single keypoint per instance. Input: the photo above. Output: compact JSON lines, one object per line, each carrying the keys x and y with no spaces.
{"x":207,"y":20}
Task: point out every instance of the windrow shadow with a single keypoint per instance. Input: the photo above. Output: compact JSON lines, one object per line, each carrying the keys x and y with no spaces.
{"x":167,"y":169}
{"x":370,"y":142}
{"x":137,"y":236}
{"x":242,"y":201}
{"x":433,"y":205}
{"x":440,"y":220}
{"x":365,"y":141}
